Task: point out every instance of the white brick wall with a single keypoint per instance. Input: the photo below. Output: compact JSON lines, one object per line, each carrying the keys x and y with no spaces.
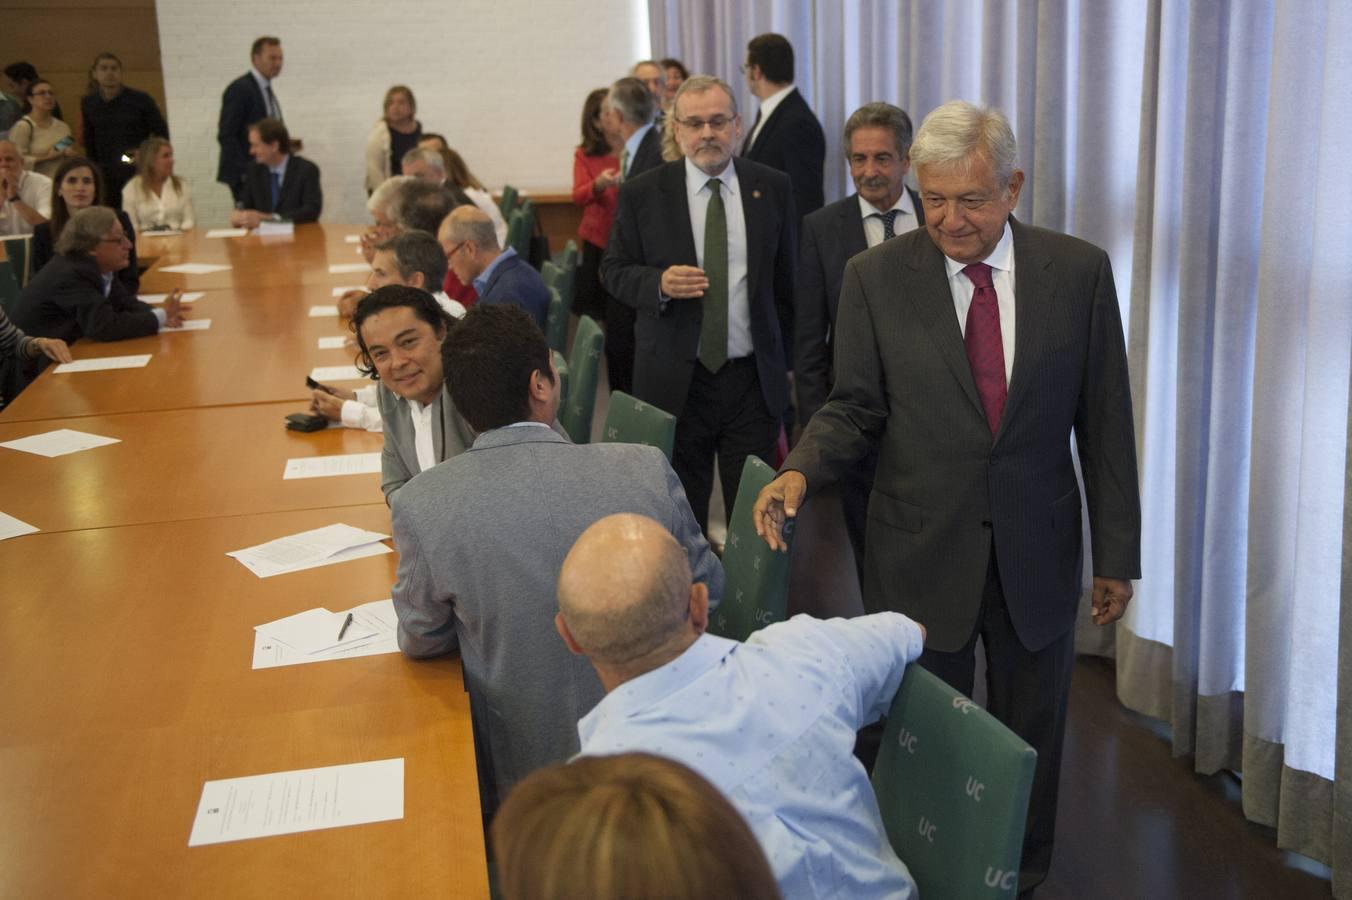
{"x":504,"y":80}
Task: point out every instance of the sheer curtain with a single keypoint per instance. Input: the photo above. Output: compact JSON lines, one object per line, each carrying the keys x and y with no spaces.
{"x":1203,"y":145}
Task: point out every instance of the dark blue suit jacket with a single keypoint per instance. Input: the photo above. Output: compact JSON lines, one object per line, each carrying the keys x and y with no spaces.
{"x":516,"y":283}
{"x":792,"y":141}
{"x":301,"y":199}
{"x":652,"y":232}
{"x":242,"y":104}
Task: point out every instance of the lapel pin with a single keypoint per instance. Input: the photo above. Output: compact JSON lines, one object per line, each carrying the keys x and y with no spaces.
{"x":755,"y":195}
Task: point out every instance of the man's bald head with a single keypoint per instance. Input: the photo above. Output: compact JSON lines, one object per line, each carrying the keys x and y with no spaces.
{"x":625,"y":593}
{"x":469,"y":223}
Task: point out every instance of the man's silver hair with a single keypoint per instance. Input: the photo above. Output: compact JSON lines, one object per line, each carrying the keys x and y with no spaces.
{"x":630,"y":98}
{"x":952,"y":133}
{"x":385,"y":198}
{"x":85,"y":229}
{"x":699,"y":84}
{"x":427,"y":156}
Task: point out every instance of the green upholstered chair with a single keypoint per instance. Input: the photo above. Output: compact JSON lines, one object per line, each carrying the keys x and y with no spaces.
{"x":507,"y":202}
{"x":517,"y":236}
{"x":584,"y":364}
{"x":561,"y":365}
{"x":556,"y":319}
{"x":9,"y":286}
{"x":16,"y":251}
{"x":550,"y":271}
{"x":953,"y":786}
{"x":631,"y":421}
{"x":522,"y":242}
{"x":756,"y":585}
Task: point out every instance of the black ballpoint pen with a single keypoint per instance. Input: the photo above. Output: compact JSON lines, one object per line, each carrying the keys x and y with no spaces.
{"x":346,"y":622}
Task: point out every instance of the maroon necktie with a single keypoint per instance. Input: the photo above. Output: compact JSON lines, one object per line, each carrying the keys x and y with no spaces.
{"x":985,"y":349}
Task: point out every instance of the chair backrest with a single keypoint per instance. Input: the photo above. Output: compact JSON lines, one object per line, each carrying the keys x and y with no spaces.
{"x":756,"y":578}
{"x":9,"y":286}
{"x":507,"y":202}
{"x":16,"y":251}
{"x":522,"y":242}
{"x":570,"y":255}
{"x":561,"y":365}
{"x":556,"y":320}
{"x":567,"y":279}
{"x":517,"y":236}
{"x":953,"y":786}
{"x":584,"y":364}
{"x":631,"y":421}
{"x":550,"y":273}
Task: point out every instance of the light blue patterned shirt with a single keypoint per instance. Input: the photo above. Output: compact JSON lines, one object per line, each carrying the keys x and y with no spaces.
{"x":771,"y":723}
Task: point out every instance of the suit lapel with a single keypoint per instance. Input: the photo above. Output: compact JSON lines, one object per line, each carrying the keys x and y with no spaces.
{"x":851,"y":226}
{"x":919,"y":210}
{"x":1032,"y":300}
{"x":753,"y":201}
{"x":678,"y":210}
{"x":934,"y":303}
{"x":770,"y":122}
{"x":439,"y":425}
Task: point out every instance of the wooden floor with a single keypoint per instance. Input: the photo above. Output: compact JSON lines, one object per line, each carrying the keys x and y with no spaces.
{"x":1135,"y":822}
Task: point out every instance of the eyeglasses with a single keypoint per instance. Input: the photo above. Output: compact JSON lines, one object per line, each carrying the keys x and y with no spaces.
{"x":717,"y":123}
{"x":456,"y":249}
{"x":114,"y":240}
{"x":42,"y":93}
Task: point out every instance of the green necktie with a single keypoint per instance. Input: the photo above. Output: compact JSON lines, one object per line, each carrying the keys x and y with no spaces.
{"x":624,"y":163}
{"x":713,"y":332}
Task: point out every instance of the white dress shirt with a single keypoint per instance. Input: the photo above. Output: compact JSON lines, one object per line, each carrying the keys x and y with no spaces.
{"x":905,"y":221}
{"x":698,"y":194}
{"x":171,"y":209}
{"x":1001,"y":261}
{"x":36,"y":191}
{"x":363,"y":412}
{"x":422,"y":434}
{"x":269,"y":100}
{"x":767,"y":108}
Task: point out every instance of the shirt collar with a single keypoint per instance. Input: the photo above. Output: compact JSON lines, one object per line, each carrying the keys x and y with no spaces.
{"x":280,"y":168}
{"x":770,"y":103}
{"x":696,"y":179}
{"x":1002,"y":257}
{"x":638,"y":693}
{"x":903,"y":203}
{"x":258,"y":77}
{"x":635,"y":139}
{"x":107,"y":278}
{"x":482,"y":281}
{"x":526,"y":425}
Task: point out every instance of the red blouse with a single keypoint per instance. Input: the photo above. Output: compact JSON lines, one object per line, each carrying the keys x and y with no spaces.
{"x":598,"y":210}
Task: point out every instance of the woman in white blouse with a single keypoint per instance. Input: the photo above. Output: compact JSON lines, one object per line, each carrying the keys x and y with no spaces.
{"x":156,"y":199}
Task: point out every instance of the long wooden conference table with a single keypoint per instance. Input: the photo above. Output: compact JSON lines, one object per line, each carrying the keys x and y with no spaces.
{"x":126,"y":633}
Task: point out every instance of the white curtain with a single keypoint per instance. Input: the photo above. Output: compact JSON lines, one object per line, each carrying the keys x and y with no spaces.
{"x":1203,"y":144}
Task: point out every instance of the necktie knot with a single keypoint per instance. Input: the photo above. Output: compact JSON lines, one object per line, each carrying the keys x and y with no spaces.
{"x":979,"y":274}
{"x":889,"y":223}
{"x":714,"y":185}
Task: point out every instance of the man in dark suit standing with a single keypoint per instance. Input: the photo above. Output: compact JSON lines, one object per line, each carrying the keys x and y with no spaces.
{"x":971,"y":350}
{"x":702,"y":248}
{"x":277,"y":185}
{"x":248,"y":99}
{"x":786,"y":135}
{"x":630,"y":107}
{"x":878,"y":147}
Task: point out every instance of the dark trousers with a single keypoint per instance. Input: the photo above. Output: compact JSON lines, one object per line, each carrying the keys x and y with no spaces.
{"x":855,"y":486}
{"x":1026,"y":690}
{"x":724,"y":415}
{"x":589,"y":295}
{"x":620,"y":321}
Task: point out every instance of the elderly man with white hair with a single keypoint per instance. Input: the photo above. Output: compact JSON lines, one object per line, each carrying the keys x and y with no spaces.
{"x":972,"y":349}
{"x":25,"y":197}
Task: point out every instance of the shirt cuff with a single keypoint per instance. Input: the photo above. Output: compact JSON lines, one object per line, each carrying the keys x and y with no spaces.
{"x":352,"y":413}
{"x":159,"y":316}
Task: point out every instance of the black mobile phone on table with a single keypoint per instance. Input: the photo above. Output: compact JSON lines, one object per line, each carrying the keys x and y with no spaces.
{"x":316,"y":386}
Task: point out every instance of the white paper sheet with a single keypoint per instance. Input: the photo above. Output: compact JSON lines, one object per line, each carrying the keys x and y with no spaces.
{"x":337,"y":342}
{"x":276,"y":229}
{"x":328,"y":466}
{"x":236,"y":809}
{"x":336,"y":373}
{"x":343,"y":289}
{"x":104,"y":362}
{"x":157,"y":299}
{"x":11,"y":527}
{"x":352,"y":239}
{"x":227,"y":232}
{"x":60,"y":442}
{"x":194,"y":268}
{"x":377,"y":616}
{"x":319,"y":312}
{"x":317,"y":547}
{"x":160,"y":232}
{"x":316,"y":631}
{"x":343,"y":268}
{"x":188,"y":325}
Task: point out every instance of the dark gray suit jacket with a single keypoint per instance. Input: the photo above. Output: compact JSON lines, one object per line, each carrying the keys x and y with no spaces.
{"x":652,"y":232}
{"x":830,"y":236}
{"x":301,"y":198}
{"x":242,"y":104}
{"x":481,"y":539}
{"x":944,"y":490}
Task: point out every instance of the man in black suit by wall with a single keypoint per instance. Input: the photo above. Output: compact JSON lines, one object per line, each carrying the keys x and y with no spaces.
{"x":878,"y":148}
{"x":246,"y":100}
{"x":277,"y":185}
{"x":785,"y":135}
{"x":702,"y":247}
{"x":630,"y":107}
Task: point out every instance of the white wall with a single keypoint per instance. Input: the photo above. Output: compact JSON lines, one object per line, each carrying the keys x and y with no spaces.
{"x":504,"y":80}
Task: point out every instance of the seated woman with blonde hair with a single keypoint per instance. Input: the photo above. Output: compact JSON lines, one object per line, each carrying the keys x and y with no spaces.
{"x":156,"y":199}
{"x":628,"y":827}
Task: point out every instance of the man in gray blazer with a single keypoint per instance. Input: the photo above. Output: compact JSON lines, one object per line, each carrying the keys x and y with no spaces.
{"x":482,"y":537}
{"x":971,"y":350}
{"x":400,"y":331}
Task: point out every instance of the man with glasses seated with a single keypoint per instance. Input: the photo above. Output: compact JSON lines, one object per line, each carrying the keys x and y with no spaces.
{"x":498,"y":275}
{"x":77,"y":296}
{"x":703,"y":249}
